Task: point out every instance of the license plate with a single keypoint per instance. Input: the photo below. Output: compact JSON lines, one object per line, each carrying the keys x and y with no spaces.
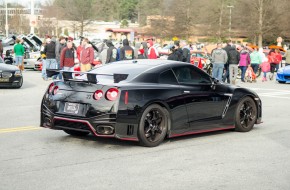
{"x":4,"y":80}
{"x":72,"y":108}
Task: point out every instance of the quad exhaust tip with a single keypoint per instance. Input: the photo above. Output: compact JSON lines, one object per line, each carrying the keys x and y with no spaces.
{"x":105,"y":130}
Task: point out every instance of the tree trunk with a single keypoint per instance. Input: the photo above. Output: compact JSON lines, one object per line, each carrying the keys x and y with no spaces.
{"x":221,"y":21}
{"x":260,"y":33}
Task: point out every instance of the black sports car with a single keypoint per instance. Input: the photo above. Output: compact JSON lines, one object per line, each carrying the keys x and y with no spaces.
{"x":146,"y":101}
{"x":10,"y":75}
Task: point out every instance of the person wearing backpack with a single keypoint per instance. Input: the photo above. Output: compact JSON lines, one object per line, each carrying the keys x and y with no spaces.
{"x":219,"y":58}
{"x":244,"y":62}
{"x":233,"y":61}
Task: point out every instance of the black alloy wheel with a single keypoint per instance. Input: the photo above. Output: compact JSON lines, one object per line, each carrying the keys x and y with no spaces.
{"x":153,"y":125}
{"x":282,"y":82}
{"x":246,"y":115}
{"x":76,"y":133}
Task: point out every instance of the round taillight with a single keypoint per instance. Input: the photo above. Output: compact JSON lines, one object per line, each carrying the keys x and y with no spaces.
{"x":98,"y":95}
{"x":55,"y":90}
{"x":50,"y":88}
{"x":112,"y":94}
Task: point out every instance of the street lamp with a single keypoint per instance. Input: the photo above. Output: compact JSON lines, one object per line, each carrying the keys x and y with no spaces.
{"x":230,"y":23}
{"x":6,"y":19}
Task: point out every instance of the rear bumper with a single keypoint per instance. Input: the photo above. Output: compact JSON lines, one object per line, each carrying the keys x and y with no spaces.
{"x":100,"y":126}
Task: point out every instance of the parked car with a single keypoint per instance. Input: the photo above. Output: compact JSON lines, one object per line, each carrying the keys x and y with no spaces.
{"x":283,"y":74}
{"x":146,"y":101}
{"x":10,"y":75}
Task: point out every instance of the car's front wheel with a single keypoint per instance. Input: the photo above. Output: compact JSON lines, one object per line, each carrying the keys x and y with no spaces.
{"x":153,"y":125}
{"x":76,"y":133}
{"x":282,"y":82}
{"x":19,"y":85}
{"x":246,"y":115}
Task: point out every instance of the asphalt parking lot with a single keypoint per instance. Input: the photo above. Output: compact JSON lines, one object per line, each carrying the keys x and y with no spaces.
{"x":35,"y":158}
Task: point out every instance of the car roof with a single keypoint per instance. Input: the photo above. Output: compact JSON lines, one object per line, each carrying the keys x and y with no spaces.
{"x":149,"y":62}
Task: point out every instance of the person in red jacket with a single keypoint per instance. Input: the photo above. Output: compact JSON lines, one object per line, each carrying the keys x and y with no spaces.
{"x":87,"y":55}
{"x":67,"y":57}
{"x":275,"y":60}
{"x":152,"y":52}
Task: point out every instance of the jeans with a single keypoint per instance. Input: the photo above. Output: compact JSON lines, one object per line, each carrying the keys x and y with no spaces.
{"x":18,"y":60}
{"x":48,"y":64}
{"x":243,"y":69}
{"x":226,"y":75}
{"x":217,"y":71}
{"x":233,"y":70}
{"x":59,"y":75}
{"x":69,"y":69}
{"x":274,"y":67}
{"x":255,"y":67}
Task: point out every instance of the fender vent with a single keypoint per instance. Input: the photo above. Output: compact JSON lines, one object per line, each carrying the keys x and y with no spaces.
{"x":130,"y":129}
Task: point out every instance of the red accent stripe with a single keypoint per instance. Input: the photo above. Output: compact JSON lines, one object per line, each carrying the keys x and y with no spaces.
{"x":201,"y":131}
{"x":126,"y":97}
{"x":129,"y":139}
{"x":86,"y":122}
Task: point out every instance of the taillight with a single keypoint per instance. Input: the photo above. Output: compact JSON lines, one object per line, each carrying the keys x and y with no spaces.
{"x":50,"y":88}
{"x":126,"y":97}
{"x":112,"y":94}
{"x":55,"y":90}
{"x":98,"y":95}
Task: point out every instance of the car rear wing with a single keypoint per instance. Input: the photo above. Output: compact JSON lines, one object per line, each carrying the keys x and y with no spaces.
{"x":91,"y":77}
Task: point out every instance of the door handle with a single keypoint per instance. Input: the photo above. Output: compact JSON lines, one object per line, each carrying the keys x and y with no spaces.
{"x":186,"y":91}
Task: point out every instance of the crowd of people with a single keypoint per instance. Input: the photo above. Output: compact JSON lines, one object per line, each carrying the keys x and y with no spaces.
{"x":60,"y":54}
{"x":227,"y":60}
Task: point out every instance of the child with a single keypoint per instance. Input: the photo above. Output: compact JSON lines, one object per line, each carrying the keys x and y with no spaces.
{"x":265,"y":66}
{"x":250,"y":75}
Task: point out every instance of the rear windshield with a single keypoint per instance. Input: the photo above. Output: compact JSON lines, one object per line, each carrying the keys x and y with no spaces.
{"x":132,"y":70}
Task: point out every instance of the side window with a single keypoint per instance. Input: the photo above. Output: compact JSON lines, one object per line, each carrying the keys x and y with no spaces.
{"x":191,"y":75}
{"x":167,"y":77}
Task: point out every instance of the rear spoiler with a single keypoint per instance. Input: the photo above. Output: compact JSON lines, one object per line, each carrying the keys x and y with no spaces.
{"x":92,"y":77}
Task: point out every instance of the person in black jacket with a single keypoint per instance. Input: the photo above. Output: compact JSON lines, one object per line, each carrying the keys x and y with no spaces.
{"x":226,"y":67}
{"x":177,"y":52}
{"x":111,"y":52}
{"x":185,"y":52}
{"x":233,"y":61}
{"x":49,"y":51}
{"x":126,"y":52}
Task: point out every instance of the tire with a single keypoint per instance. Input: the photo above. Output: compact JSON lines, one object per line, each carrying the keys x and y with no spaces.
{"x":76,"y":133}
{"x":246,"y":115}
{"x":20,"y":83}
{"x":153,"y":125}
{"x":282,"y":82}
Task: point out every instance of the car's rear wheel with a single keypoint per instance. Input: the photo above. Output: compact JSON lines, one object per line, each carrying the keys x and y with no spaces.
{"x":282,"y":82}
{"x":153,"y":125}
{"x":246,"y":115}
{"x":76,"y":133}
